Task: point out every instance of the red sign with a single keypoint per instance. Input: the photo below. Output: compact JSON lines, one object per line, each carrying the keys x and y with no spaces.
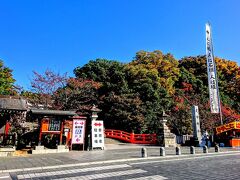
{"x":45,"y":125}
{"x":97,"y":124}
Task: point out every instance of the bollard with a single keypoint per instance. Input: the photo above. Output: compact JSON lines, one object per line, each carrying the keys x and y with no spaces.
{"x":162,"y":151}
{"x":192,"y":150}
{"x":217,"y":148}
{"x":178,"y":151}
{"x":144,"y":152}
{"x":205,"y":149}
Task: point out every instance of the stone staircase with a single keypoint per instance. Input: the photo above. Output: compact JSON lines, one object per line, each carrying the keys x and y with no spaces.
{"x":112,"y":141}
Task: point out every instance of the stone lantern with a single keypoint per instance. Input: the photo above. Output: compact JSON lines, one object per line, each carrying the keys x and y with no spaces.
{"x":94,"y":111}
{"x":168,"y":138}
{"x":96,"y":130}
{"x":164,"y":118}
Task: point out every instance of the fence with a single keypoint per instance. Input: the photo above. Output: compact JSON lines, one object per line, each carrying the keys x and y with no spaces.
{"x":7,"y":139}
{"x":131,"y":137}
{"x":183,"y":138}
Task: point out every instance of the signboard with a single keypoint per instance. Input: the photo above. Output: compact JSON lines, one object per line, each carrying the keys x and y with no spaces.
{"x":54,"y":125}
{"x":51,"y":125}
{"x":227,"y":127}
{"x":97,"y":134}
{"x":212,"y":74}
{"x":45,"y":125}
{"x":78,"y":132}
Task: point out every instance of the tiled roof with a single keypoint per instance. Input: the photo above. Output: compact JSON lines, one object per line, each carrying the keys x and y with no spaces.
{"x":13,"y":104}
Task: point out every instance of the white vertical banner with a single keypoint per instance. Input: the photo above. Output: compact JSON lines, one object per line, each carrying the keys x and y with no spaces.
{"x":78,"y":132}
{"x":212,"y":74}
{"x":97,"y":134}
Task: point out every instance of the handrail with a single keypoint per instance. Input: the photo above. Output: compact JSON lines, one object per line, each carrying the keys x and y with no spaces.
{"x":131,"y":137}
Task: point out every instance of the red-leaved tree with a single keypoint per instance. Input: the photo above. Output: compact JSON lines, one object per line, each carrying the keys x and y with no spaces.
{"x":45,"y":85}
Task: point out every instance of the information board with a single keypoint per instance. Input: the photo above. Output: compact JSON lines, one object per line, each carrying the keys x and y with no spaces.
{"x":78,"y":132}
{"x":54,"y":125}
{"x":51,"y":125}
{"x":97,"y":134}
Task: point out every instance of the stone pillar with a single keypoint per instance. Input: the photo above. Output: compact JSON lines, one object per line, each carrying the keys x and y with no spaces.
{"x":178,"y":151}
{"x":196,"y":126}
{"x":144,"y":152}
{"x":205,"y":149}
{"x":192,"y":150}
{"x":162,"y":151}
{"x":217,"y":148}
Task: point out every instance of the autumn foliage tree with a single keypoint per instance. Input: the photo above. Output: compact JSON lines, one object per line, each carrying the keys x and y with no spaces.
{"x":45,"y":85}
{"x":156,"y":82}
{"x":194,"y":73}
{"x":78,"y":94}
{"x":133,"y":95}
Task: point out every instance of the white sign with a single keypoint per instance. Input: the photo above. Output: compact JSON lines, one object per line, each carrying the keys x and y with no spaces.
{"x":78,"y":132}
{"x":97,"y":134}
{"x":212,"y":74}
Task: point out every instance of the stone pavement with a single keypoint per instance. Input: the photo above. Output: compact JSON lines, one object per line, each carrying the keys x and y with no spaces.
{"x":111,"y":153}
{"x":199,"y":166}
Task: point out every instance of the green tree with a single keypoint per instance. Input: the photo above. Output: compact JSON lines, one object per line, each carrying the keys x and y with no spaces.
{"x":109,"y":73}
{"x":162,"y":67}
{"x":228,"y":72}
{"x":152,"y":75}
{"x":125,"y":112}
{"x":121,"y":108}
{"x":6,"y":80}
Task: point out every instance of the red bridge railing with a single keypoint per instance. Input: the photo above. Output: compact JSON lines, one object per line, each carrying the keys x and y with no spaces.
{"x":131,"y":137}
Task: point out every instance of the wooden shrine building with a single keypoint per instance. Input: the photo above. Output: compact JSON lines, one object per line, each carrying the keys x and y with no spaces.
{"x":229,"y":134}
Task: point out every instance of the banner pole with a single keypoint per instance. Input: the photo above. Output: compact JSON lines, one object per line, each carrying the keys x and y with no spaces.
{"x":219,"y":100}
{"x":214,"y":95}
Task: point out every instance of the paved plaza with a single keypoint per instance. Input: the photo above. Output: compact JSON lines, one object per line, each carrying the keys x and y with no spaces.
{"x":124,"y":162}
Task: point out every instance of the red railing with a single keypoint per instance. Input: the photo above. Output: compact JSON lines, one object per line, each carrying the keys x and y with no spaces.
{"x":131,"y":137}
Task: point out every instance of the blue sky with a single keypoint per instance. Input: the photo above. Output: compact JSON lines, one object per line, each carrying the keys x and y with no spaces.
{"x":63,"y":34}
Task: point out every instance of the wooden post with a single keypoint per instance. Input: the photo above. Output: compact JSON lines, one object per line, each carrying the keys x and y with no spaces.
{"x":132,"y":137}
{"x":61,"y":132}
{"x":6,"y":129}
{"x":40,"y":134}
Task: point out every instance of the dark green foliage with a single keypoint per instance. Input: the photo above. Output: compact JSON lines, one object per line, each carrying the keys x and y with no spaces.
{"x":133,"y":96}
{"x":6,"y":80}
